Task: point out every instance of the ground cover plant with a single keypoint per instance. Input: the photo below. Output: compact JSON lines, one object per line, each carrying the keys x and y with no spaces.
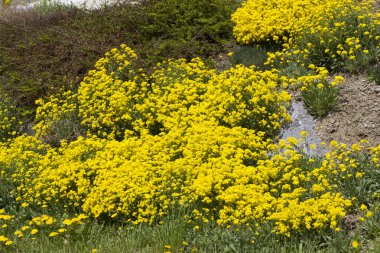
{"x":182,"y":157}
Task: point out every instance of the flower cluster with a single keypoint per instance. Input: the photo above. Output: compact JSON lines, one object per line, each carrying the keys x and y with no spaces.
{"x":277,"y":20}
{"x":347,"y":39}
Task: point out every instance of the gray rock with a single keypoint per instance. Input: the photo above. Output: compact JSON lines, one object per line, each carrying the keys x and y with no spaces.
{"x":303,"y":121}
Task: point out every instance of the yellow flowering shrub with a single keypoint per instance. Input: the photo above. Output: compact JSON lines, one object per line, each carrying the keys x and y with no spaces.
{"x":108,"y":94}
{"x":261,"y":20}
{"x":64,"y":177}
{"x":248,"y":98}
{"x":175,"y":87}
{"x":230,"y":175}
{"x":347,"y":38}
{"x":239,"y":96}
{"x":183,"y":137}
{"x":115,"y":100}
{"x":166,"y":171}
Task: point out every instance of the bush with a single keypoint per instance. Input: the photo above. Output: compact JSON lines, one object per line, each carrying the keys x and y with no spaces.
{"x":202,"y":24}
{"x":335,"y":45}
{"x":276,"y":20}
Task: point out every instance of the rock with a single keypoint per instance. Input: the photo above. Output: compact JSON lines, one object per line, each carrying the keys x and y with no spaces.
{"x":377,"y":89}
{"x":303,"y":121}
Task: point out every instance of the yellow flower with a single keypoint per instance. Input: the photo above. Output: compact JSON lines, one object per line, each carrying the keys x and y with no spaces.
{"x":369,"y":214}
{"x":355,"y":244}
{"x":34,"y":231}
{"x":320,"y":86}
{"x":3,"y":238}
{"x":18,"y":233}
{"x":52,"y":234}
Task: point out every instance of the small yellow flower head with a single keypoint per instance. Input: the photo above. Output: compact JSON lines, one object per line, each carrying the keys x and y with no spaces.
{"x":369,"y":214}
{"x":3,"y":238}
{"x":34,"y":231}
{"x":363,"y":207}
{"x":94,"y":251}
{"x":355,"y":244}
{"x":61,"y":230}
{"x":24,"y":204}
{"x":52,"y":234}
{"x":320,"y":86}
{"x":24,"y":228}
{"x":18,"y":233}
{"x":9,"y":242}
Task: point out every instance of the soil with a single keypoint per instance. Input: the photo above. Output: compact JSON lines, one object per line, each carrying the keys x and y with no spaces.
{"x":356,"y":116}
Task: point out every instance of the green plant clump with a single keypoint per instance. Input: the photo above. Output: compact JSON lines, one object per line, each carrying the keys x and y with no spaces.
{"x":320,"y":97}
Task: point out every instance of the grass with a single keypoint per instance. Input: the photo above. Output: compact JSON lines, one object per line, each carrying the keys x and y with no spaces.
{"x":255,"y":54}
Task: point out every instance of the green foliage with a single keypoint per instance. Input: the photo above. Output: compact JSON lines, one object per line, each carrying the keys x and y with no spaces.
{"x":249,"y":55}
{"x":320,"y":97}
{"x":190,"y":20}
{"x":374,"y":74}
{"x":185,"y":29}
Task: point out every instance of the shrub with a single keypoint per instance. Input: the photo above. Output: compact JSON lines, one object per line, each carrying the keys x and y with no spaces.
{"x":196,"y":27}
{"x":335,"y":45}
{"x":277,"y":20}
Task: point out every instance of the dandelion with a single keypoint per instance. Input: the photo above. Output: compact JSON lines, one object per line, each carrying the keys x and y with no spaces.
{"x":355,"y":244}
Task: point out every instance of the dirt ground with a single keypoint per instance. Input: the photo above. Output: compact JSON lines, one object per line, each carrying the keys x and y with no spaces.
{"x":357,"y":115}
